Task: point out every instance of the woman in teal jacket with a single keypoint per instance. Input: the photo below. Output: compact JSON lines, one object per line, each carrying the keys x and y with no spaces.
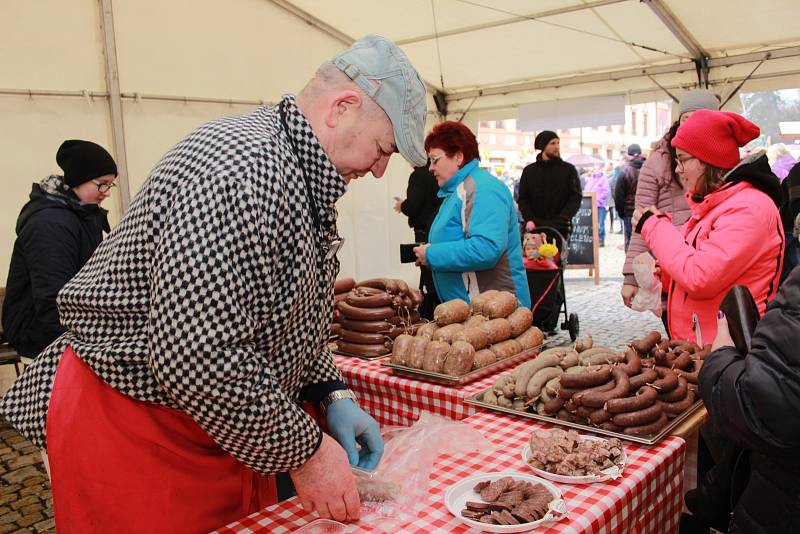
{"x":474,"y":241}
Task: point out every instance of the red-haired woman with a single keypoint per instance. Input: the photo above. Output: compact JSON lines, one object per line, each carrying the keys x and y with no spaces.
{"x":474,"y":241}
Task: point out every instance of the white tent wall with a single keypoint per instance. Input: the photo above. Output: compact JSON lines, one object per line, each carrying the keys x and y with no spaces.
{"x":184,"y":62}
{"x":248,"y":51}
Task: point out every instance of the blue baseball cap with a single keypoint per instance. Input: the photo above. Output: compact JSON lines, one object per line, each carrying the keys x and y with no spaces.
{"x":383,"y":71}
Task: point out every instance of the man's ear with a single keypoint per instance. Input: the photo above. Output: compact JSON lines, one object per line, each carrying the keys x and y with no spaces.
{"x":339,"y":104}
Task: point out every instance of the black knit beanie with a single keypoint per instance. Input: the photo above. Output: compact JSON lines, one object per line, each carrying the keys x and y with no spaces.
{"x":543,"y":139}
{"x":82,"y":161}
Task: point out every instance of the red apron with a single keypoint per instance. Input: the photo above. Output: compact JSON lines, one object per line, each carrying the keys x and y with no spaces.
{"x":122,"y":465}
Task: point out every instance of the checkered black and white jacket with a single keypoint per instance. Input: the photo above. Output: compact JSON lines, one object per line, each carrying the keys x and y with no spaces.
{"x":213,"y":294}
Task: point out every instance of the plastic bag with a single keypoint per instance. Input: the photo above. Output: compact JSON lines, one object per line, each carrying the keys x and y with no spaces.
{"x":648,"y":297}
{"x":395,"y":492}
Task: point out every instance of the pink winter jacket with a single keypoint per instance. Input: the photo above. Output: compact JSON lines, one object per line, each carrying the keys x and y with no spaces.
{"x":656,"y":187}
{"x":733,"y":237}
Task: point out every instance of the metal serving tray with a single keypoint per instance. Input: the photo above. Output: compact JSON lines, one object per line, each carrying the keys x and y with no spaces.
{"x":652,"y":440}
{"x":360,"y":357}
{"x":477,"y":374}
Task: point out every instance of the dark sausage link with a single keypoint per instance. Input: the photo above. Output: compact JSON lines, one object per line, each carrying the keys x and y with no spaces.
{"x":644,"y":398}
{"x":599,"y":416}
{"x":693,"y":376}
{"x":639,"y":417}
{"x":343,"y":286}
{"x":608,"y":386}
{"x":377,"y":283}
{"x":647,"y":376}
{"x":365,"y":338}
{"x":553,"y":406}
{"x":648,"y":362}
{"x":365,"y":314}
{"x":366,"y":326}
{"x":360,"y":349}
{"x":648,"y":429}
{"x":682,"y":362}
{"x":567,"y":393}
{"x":664,"y":359}
{"x":608,"y":425}
{"x":402,"y":287}
{"x":673,"y":409}
{"x":586,"y":379}
{"x":564,"y":415}
{"x":667,"y":380}
{"x":582,"y":412}
{"x":336,"y":329}
{"x":646,"y":344}
{"x":597,"y":399}
{"x":368,"y":299}
{"x":679,"y":393}
{"x":633,"y":362}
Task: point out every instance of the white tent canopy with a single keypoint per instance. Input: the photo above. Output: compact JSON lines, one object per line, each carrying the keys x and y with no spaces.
{"x":137,"y":76}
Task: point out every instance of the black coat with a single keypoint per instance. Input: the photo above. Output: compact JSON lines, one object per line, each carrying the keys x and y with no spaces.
{"x":422,"y":202}
{"x":754,"y":401}
{"x":625,"y":188}
{"x":56,"y":235}
{"x":550,"y":193}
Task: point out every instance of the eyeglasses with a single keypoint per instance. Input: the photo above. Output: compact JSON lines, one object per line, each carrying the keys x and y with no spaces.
{"x":104,"y":188}
{"x":434,"y":159}
{"x":683,"y":162}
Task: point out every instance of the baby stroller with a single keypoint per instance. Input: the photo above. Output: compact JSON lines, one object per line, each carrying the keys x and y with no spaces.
{"x":546,"y":280}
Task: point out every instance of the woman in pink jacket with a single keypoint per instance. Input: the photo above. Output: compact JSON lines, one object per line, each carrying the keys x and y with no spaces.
{"x":659,"y":184}
{"x":734,"y":234}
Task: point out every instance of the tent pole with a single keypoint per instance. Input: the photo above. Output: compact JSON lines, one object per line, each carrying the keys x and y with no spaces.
{"x":115,"y":103}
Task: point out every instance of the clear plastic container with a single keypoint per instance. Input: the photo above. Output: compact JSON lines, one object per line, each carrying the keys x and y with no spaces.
{"x":322,"y":526}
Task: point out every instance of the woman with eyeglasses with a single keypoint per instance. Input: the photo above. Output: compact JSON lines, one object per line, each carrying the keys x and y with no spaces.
{"x":474,"y":241}
{"x":57,"y":231}
{"x":733,"y":235}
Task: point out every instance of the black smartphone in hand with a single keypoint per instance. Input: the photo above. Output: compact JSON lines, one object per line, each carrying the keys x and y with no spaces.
{"x":407,"y":252}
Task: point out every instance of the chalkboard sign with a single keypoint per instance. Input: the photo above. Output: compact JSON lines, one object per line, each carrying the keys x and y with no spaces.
{"x":583,"y":243}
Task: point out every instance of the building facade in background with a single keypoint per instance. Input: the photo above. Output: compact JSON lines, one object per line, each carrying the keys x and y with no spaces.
{"x":505,"y":150}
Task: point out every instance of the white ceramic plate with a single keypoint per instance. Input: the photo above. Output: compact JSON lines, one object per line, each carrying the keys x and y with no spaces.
{"x":610,"y":473}
{"x":457,"y":495}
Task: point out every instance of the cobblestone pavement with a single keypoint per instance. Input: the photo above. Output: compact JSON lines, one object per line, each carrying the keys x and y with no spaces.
{"x":26,"y":505}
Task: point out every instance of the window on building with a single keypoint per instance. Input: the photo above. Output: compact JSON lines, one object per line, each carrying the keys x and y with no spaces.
{"x":595,"y":151}
{"x":610,"y":154}
{"x":645,"y":128}
{"x":634,"y":129}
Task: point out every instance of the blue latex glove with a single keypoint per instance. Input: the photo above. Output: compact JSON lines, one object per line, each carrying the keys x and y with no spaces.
{"x":349,"y":424}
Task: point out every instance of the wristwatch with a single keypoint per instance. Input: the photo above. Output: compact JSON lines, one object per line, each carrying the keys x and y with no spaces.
{"x":336,"y":395}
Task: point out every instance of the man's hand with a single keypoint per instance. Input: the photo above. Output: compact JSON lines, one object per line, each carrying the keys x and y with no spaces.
{"x":325,"y":483}
{"x":350,"y":424}
{"x":628,"y":291}
{"x":420,"y":252}
{"x":723,"y":338}
{"x":398,"y":204}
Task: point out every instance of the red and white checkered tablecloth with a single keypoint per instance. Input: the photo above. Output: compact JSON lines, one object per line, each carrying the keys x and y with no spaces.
{"x":646,"y":500}
{"x":396,"y":400}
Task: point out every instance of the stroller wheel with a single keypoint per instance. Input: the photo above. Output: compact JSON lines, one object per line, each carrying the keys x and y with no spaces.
{"x":574,"y":326}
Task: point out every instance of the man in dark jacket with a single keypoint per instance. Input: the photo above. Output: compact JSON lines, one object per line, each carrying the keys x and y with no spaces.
{"x":625,"y":189}
{"x":57,"y":231}
{"x":549,"y":189}
{"x":420,"y":206}
{"x":753,"y":400}
{"x":789,"y":212}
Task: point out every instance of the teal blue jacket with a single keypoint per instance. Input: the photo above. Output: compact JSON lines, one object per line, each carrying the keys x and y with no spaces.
{"x":474,"y":240}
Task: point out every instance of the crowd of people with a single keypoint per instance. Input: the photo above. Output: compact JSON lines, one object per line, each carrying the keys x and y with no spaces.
{"x":166,"y":332}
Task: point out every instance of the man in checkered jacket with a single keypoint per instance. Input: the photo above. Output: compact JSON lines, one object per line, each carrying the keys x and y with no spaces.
{"x":199,"y":326}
